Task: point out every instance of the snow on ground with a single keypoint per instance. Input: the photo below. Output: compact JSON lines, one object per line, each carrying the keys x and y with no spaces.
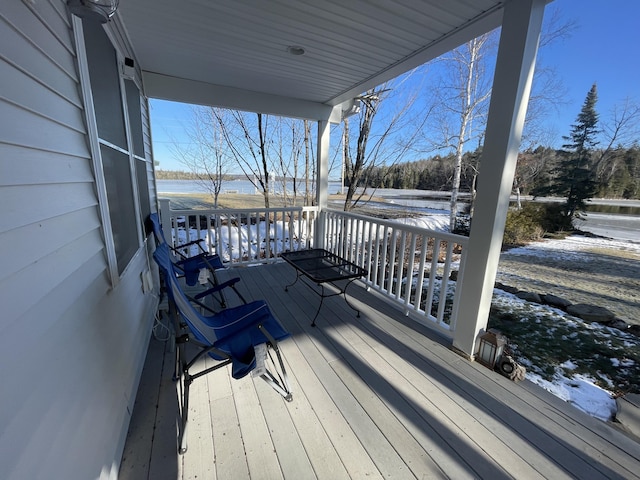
{"x":438,"y":222}
{"x":566,"y":249}
{"x":579,"y":390}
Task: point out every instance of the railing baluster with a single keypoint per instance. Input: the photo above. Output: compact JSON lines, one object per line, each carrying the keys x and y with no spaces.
{"x":354,"y":241}
{"x":259,"y":235}
{"x":393,"y":261}
{"x":376,"y":253}
{"x":198,"y":235}
{"x":457,"y":294}
{"x":383,"y":283}
{"x":369,"y":262}
{"x":444,"y":283}
{"x":239,"y":224}
{"x":359,"y":245}
{"x":267,"y":229}
{"x":409,"y":280}
{"x":420,"y":281}
{"x":400,"y":274}
{"x":229,"y":239}
{"x":432,"y":274}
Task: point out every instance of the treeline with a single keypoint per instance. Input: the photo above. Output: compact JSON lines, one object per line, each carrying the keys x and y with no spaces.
{"x":175,"y":175}
{"x":182,"y":175}
{"x":615,"y":171}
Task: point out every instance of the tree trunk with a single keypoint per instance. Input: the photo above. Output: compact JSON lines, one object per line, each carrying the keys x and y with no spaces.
{"x":265,"y":166}
{"x":306,"y":163}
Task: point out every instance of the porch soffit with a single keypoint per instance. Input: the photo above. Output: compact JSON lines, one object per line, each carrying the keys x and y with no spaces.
{"x":225,"y":51}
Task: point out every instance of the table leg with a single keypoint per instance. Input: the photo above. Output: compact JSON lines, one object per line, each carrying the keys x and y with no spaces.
{"x":344,"y":294}
{"x":286,"y":288}
{"x":313,"y":322}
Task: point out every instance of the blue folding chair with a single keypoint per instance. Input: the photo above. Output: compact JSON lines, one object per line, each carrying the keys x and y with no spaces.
{"x":246,"y":337}
{"x":190,"y":267}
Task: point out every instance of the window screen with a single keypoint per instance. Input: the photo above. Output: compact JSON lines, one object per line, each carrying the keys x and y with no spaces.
{"x":105,"y":84}
{"x":137,"y":141}
{"x":122,"y":212}
{"x":116,"y":162}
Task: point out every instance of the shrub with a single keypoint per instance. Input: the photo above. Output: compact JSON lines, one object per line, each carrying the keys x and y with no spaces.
{"x":533,"y":221}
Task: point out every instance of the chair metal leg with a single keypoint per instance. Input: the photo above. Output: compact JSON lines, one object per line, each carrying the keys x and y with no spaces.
{"x":182,"y":432}
{"x":281,"y":383}
{"x":276,"y":379}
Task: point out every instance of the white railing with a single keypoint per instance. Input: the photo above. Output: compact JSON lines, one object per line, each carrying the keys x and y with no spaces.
{"x":399,"y":259}
{"x":242,"y":236}
{"x":409,"y":265}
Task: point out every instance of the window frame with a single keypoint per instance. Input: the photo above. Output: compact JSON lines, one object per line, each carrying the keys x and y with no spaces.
{"x":95,"y":144}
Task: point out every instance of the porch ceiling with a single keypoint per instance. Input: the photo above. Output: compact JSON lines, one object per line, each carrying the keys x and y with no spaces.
{"x":234,"y":49}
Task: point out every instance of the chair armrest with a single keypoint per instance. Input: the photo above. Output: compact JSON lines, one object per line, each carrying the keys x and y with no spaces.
{"x":188,"y":244}
{"x":202,"y":260}
{"x":217,"y":288}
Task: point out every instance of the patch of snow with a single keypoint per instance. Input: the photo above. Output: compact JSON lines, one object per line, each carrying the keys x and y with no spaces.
{"x":438,"y":222}
{"x":571,"y":247}
{"x":569,"y":365}
{"x":624,"y":363}
{"x":581,"y":392}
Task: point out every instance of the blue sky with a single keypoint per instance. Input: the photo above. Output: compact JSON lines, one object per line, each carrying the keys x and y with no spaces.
{"x":603,"y":48}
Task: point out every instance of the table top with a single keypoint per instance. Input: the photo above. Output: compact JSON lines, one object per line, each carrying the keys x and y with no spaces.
{"x":322,"y":266}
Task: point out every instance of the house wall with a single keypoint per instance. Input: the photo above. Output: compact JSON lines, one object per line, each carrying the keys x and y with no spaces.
{"x":72,"y":344}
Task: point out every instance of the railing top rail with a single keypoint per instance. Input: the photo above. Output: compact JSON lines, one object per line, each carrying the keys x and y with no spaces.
{"x":450,"y":237}
{"x":224,"y":211}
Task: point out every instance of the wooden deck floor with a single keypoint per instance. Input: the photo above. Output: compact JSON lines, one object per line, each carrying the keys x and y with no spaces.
{"x":376,"y":396}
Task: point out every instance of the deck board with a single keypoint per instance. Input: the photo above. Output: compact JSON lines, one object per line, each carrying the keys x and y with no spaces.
{"x":230,"y":459}
{"x":292,"y":455}
{"x":376,"y":396}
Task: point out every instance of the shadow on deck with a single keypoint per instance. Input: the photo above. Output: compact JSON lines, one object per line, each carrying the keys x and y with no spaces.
{"x":376,"y":396}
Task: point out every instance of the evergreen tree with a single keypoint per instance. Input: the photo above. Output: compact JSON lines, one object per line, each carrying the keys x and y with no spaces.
{"x":574,"y":178}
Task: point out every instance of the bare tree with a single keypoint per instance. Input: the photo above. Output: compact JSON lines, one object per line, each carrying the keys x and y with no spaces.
{"x":463,"y":99}
{"x":292,"y":137}
{"x":621,"y":129}
{"x":204,"y":155}
{"x":530,"y":166}
{"x":548,"y":93}
{"x":308,"y":163}
{"x":247,"y":142}
{"x":374,"y":147}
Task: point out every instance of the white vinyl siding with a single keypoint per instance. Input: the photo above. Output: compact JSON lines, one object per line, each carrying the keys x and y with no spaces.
{"x":72,"y":344}
{"x":146,"y":131}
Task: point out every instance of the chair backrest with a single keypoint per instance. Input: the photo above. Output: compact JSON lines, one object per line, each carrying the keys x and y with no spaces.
{"x":206,"y":328}
{"x":201,"y":329}
{"x":232,"y":333}
{"x":157,"y":228}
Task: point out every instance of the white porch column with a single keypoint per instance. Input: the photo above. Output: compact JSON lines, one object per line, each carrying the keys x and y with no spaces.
{"x":322,"y":177}
{"x":521,"y":25}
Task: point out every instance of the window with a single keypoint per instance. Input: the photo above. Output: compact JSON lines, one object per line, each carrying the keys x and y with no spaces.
{"x":137,"y":143}
{"x":117,"y":153}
